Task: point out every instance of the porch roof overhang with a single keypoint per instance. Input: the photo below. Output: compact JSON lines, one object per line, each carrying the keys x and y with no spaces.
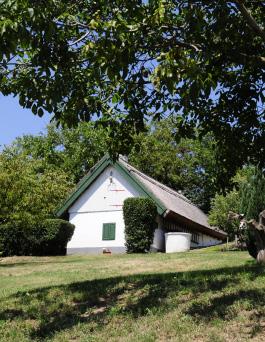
{"x":194,"y":226}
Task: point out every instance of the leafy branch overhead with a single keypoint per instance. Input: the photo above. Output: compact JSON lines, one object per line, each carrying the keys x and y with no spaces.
{"x":125,"y":62}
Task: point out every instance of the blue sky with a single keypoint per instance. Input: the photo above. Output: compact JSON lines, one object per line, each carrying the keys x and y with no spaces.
{"x":16,"y":121}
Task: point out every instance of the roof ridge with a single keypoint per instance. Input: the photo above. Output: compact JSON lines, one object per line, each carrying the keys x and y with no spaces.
{"x":162,"y":186}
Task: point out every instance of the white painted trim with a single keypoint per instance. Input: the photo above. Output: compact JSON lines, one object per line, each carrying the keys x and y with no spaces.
{"x":93,"y":211}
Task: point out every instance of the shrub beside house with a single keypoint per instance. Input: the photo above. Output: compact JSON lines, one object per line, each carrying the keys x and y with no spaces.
{"x":140,"y":223}
{"x":49,"y":237}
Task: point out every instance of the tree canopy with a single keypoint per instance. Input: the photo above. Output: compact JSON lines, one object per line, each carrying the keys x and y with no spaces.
{"x":246,"y":198}
{"x":127,"y":61}
{"x":70,"y":150}
{"x":188,"y":165}
{"x":29,"y":192}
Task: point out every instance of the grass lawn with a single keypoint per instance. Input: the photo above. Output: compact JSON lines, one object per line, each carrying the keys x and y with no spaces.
{"x":204,"y":295}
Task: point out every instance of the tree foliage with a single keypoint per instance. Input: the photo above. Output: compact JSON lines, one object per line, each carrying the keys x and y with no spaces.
{"x":124,"y":62}
{"x":252,"y":213}
{"x":73,"y":151}
{"x":252,"y":195}
{"x":188,"y":165}
{"x":29,"y":193}
{"x":246,"y":199}
{"x":252,"y":204}
{"x":221,"y":206}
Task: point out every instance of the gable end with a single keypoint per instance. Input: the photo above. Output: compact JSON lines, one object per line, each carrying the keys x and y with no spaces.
{"x":94,"y":174}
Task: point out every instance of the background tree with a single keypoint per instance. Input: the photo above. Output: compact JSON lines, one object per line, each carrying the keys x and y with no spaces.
{"x":252,"y":194}
{"x":252,"y":213}
{"x":29,"y":193}
{"x":125,"y":62}
{"x":188,"y":165}
{"x":246,"y":198}
{"x":219,"y":213}
{"x":73,"y":151}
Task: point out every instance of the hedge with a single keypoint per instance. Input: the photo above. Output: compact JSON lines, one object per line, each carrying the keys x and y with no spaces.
{"x":140,"y":223}
{"x":50,"y":237}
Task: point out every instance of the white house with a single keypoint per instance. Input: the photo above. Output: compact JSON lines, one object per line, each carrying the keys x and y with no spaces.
{"x":95,"y":208}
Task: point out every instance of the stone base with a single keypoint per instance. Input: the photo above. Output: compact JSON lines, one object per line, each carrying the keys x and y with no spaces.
{"x":95,"y":250}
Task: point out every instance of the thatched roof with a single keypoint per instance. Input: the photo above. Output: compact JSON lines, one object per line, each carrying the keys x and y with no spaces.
{"x":173,"y":201}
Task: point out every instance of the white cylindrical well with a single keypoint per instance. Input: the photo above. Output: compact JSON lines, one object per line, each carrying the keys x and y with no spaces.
{"x":177,"y":242}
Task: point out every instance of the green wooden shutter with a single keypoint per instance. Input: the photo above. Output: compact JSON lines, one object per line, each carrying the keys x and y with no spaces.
{"x":108,"y":232}
{"x":112,"y":227}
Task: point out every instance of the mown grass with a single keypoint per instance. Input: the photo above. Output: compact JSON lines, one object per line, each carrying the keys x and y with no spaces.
{"x":205,"y":295}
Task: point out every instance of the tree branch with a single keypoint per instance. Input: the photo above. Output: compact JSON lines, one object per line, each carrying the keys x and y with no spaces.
{"x":259,"y":60}
{"x":195,"y":47}
{"x":80,"y":39}
{"x":250,"y":19}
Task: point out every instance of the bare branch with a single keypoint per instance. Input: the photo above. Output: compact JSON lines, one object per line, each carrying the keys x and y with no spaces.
{"x":80,"y":39}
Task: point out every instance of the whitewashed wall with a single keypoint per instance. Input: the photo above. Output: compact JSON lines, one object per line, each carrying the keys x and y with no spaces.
{"x":100,"y":203}
{"x":88,"y":231}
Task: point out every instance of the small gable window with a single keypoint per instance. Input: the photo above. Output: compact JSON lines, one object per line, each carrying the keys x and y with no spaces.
{"x":109,"y":230}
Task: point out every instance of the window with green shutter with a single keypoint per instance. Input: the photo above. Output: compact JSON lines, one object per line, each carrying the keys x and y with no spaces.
{"x":108,"y":232}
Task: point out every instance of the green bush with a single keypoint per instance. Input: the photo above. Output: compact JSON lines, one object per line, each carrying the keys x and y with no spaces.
{"x":14,"y":239}
{"x":140,"y":223}
{"x":55,"y":236}
{"x":50,"y":237}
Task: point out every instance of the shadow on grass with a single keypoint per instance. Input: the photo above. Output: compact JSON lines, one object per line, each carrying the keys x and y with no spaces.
{"x":95,"y":302}
{"x":222,"y":305}
{"x":61,"y":260}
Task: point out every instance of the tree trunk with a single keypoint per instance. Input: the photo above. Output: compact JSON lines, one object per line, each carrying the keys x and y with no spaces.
{"x":261,"y":256}
{"x":256,"y":240}
{"x":258,"y":230}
